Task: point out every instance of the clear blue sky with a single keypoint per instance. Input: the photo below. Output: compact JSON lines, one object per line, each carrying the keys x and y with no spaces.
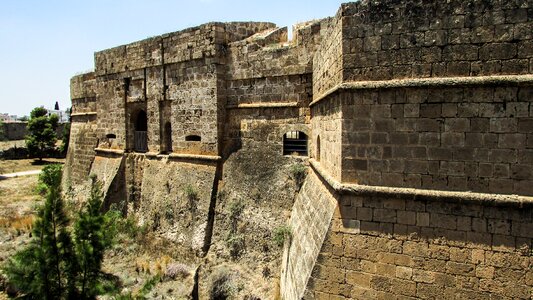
{"x":44,"y":43}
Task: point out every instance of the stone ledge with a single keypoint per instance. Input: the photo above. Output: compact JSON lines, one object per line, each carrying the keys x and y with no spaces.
{"x":420,"y":194}
{"x":428,"y":82}
{"x":194,"y":156}
{"x":263,"y":105}
{"x":112,"y":151}
{"x":89,"y":113}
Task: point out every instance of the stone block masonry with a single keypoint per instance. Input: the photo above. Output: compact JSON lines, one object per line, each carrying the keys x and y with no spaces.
{"x":420,"y":124}
{"x":384,"y":244}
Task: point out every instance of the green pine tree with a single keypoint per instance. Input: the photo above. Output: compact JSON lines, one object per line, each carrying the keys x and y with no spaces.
{"x":41,"y":136}
{"x":44,"y":270}
{"x":58,"y":264}
{"x":91,"y":240}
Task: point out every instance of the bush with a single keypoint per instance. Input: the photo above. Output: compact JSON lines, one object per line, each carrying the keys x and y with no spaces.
{"x":235,"y":240}
{"x":298,"y":173}
{"x":281,"y":234}
{"x":174,"y":271}
{"x":222,"y":286}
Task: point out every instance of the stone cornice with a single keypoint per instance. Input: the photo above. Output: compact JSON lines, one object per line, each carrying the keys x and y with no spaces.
{"x":429,"y":82}
{"x":421,"y":194}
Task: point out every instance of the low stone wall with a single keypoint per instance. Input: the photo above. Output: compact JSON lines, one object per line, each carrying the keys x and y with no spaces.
{"x":17,"y":130}
{"x":425,"y":245}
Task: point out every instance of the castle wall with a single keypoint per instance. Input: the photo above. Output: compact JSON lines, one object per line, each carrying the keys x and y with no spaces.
{"x":328,"y":62}
{"x":445,"y":132}
{"x":17,"y":130}
{"x":269,"y":86}
{"x":414,"y":39}
{"x":326,"y":126}
{"x":475,"y":138}
{"x":175,"y":204}
{"x":309,"y":222}
{"x":384,"y":244}
{"x":83,"y":129}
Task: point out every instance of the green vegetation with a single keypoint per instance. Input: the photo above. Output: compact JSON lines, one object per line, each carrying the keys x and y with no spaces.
{"x":191,"y":193}
{"x":60,"y":263}
{"x":65,"y":139}
{"x":298,"y":173}
{"x":91,"y":239}
{"x":41,"y":136}
{"x":2,"y":130}
{"x":281,"y":234}
{"x":222,"y":285}
{"x":235,"y":239}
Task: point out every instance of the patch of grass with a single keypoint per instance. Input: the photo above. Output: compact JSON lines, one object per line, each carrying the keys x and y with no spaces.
{"x":18,"y":224}
{"x":235,"y":209}
{"x":298,"y":173}
{"x":20,"y":165}
{"x":18,"y":189}
{"x":281,"y":234}
{"x":234,"y":239}
{"x":191,"y":193}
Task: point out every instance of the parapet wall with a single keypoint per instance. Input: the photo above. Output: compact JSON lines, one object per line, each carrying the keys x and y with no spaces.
{"x":412,"y":39}
{"x":328,"y":60}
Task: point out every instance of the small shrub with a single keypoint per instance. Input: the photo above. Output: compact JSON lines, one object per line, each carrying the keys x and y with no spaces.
{"x":235,"y":209}
{"x":191,"y":193}
{"x":298,"y":173}
{"x":175,"y":270}
{"x":235,"y":243}
{"x":222,"y":285}
{"x":281,"y":234}
{"x":235,"y":240}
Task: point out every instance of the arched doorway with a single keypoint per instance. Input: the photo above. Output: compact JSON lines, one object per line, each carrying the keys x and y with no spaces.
{"x":295,"y":143}
{"x":140,"y":137}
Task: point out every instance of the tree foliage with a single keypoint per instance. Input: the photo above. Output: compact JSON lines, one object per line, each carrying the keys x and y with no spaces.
{"x":91,"y":239}
{"x":60,"y":263}
{"x":2,"y":130}
{"x":41,"y":136}
{"x":66,"y":133}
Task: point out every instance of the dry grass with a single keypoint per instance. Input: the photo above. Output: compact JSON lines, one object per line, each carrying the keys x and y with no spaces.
{"x":4,"y":145}
{"x":18,"y":189}
{"x":148,"y":266}
{"x":19,"y":165}
{"x":18,"y":224}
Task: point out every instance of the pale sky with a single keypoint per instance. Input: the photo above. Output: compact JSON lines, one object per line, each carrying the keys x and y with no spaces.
{"x":44,"y":43}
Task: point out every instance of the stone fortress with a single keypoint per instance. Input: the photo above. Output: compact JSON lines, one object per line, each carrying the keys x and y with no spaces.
{"x":414,"y":119}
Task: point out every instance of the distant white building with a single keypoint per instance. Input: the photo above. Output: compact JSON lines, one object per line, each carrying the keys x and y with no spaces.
{"x":6,"y":118}
{"x":61,"y":114}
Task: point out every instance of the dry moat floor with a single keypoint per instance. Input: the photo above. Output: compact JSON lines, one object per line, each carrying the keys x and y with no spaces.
{"x":136,"y":259}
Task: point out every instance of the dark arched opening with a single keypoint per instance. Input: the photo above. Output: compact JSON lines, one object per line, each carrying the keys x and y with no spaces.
{"x":140,"y":138}
{"x":295,"y":143}
{"x":317,"y":148}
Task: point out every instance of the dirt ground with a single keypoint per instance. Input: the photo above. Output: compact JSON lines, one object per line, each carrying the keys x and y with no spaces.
{"x":4,"y":145}
{"x":18,"y":165}
{"x":18,"y":200}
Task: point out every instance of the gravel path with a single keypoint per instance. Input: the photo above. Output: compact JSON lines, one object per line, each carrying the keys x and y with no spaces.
{"x":17,"y":174}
